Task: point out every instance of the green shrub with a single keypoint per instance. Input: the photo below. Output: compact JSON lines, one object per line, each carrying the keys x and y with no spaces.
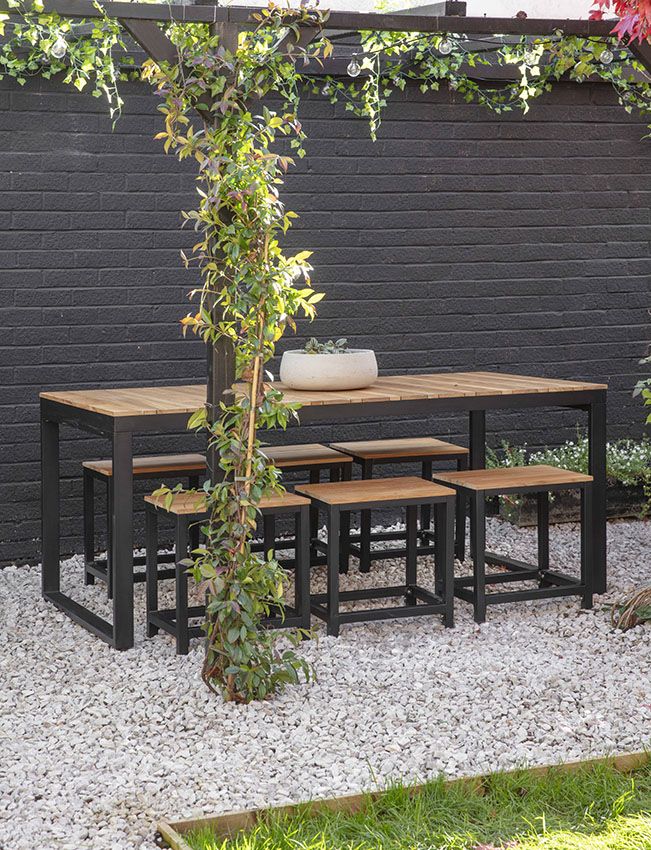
{"x":628,"y":462}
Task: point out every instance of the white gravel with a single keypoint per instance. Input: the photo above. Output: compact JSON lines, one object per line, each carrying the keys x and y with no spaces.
{"x":96,"y":745}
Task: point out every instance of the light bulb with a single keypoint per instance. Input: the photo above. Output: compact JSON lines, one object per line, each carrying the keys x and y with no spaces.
{"x":326,"y":90}
{"x":606,"y":57}
{"x":354,"y":68}
{"x":59,"y":48}
{"x":445,"y":47}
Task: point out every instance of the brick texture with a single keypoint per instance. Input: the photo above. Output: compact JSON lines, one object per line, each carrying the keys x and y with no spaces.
{"x":459,"y":240}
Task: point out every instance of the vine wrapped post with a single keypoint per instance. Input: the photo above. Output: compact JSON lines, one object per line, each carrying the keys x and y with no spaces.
{"x":249,"y":295}
{"x":220,"y":360}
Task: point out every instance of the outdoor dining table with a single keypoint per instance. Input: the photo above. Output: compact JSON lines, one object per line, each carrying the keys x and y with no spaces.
{"x":121,"y":413}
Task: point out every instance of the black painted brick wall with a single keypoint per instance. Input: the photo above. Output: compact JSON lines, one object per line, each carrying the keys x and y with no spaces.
{"x":460,"y":240}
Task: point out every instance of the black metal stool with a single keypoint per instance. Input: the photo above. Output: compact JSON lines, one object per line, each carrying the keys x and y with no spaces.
{"x":423,"y":450}
{"x":188,"y":509}
{"x":190,"y":466}
{"x":479,"y":484}
{"x":410,"y":493}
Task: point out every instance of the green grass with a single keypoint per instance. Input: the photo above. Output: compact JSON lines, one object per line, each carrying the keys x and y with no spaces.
{"x":596,"y":809}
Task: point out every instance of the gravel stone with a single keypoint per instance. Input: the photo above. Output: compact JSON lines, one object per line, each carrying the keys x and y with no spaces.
{"x":97,"y":745}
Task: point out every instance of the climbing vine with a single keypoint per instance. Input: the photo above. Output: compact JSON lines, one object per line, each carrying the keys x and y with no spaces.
{"x":388,"y":61}
{"x":234,"y":110}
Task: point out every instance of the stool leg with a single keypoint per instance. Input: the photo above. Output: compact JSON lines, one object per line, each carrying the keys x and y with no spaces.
{"x":426,"y":510}
{"x":461,"y":511}
{"x":444,"y":518}
{"x":587,"y":543}
{"x":315,"y":478}
{"x":542,"y":500}
{"x":195,"y":528}
{"x":181,"y":552}
{"x":439,"y":553}
{"x":109,"y":538}
{"x":344,"y":531}
{"x":478,"y":545}
{"x":333,"y":572}
{"x":151,"y":565}
{"x":89,"y":524}
{"x":269,"y":535}
{"x":302,"y":567}
{"x":365,"y":525}
{"x":411,"y":567}
{"x":477,"y":422}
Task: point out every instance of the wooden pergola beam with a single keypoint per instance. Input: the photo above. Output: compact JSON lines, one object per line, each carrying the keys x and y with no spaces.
{"x":151,"y":38}
{"x":642,"y":52}
{"x":355,"y":21}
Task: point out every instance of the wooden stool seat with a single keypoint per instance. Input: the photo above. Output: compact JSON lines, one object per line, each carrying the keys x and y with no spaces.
{"x":514,"y":479}
{"x":477,"y":484}
{"x":153,"y":465}
{"x":305,"y":457}
{"x":415,"y":448}
{"x":353,"y":495}
{"x":194,"y":504}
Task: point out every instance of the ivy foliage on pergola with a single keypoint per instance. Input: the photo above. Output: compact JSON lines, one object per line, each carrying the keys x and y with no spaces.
{"x":213,"y":67}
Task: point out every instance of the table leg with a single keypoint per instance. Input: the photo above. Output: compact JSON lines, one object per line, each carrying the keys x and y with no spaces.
{"x":597,"y":468}
{"x":122,"y":552}
{"x":477,"y":457}
{"x":477,"y":439}
{"x":50,"y":521}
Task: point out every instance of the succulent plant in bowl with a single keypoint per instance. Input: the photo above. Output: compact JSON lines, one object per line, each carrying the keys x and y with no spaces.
{"x":328,"y":366}
{"x":313,"y":346}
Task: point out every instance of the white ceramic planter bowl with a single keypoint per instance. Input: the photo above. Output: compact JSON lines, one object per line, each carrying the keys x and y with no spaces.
{"x":352,"y":370}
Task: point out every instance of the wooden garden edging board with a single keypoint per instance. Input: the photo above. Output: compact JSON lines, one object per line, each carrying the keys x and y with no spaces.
{"x":232,"y":822}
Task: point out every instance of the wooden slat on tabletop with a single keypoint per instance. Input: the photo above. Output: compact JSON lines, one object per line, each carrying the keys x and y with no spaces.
{"x":417,"y":386}
{"x":487,"y":385}
{"x":543,"y":383}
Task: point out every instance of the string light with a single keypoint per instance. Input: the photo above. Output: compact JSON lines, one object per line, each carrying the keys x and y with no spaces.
{"x":59,"y":48}
{"x":326,"y":90}
{"x":354,"y":68}
{"x":445,"y":47}
{"x":606,"y":57}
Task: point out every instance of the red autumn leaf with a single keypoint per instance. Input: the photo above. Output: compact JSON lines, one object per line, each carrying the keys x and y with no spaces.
{"x":634,"y":17}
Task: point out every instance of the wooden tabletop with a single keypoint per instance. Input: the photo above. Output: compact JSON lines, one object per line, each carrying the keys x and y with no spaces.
{"x":152,"y":401}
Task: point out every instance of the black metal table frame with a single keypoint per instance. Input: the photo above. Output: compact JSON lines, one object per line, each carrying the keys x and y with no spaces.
{"x":121,"y":429}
